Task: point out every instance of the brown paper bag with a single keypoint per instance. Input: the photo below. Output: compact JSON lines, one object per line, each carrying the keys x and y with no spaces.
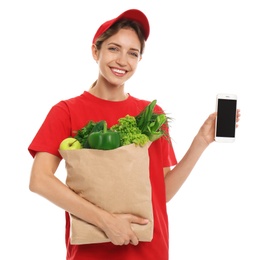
{"x":115,"y":180}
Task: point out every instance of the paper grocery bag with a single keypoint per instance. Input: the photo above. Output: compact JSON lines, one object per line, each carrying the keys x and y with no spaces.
{"x":115,"y":180}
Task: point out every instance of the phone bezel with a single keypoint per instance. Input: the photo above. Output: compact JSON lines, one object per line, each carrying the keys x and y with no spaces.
{"x":224,"y":139}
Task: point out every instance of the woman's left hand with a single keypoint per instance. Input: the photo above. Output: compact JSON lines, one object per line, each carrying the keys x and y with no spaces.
{"x":207,"y":130}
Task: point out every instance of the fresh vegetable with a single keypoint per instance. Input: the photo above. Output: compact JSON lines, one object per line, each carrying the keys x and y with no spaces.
{"x":129,"y":131}
{"x":151,"y":123}
{"x":83,"y":133}
{"x":155,"y":129}
{"x":144,"y":117}
{"x":147,"y":126}
{"x":105,"y":139}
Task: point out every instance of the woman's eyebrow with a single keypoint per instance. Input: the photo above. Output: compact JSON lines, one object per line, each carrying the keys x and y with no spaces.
{"x":118,"y":45}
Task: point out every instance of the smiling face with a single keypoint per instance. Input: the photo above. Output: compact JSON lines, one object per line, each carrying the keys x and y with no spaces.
{"x":118,"y":57}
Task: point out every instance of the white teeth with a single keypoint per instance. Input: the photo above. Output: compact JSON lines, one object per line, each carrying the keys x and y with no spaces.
{"x":119,"y":71}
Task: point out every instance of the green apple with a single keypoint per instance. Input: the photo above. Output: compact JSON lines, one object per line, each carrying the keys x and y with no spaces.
{"x":70,"y":143}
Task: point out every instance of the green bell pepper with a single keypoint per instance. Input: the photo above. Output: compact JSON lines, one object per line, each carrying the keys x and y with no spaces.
{"x":104,"y":140}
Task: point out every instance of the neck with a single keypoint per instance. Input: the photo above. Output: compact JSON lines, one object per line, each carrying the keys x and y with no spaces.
{"x":108,"y":92}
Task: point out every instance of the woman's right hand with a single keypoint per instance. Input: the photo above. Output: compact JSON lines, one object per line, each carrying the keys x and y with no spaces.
{"x":117,"y":228}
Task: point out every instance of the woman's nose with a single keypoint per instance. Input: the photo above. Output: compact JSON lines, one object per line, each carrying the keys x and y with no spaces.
{"x":121,"y":60}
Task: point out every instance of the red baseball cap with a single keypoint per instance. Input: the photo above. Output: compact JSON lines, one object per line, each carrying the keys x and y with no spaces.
{"x":132,"y":14}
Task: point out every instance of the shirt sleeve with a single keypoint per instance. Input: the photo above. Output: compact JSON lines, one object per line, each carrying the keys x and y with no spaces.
{"x":55,"y":128}
{"x":169,"y":157}
{"x":168,"y":153}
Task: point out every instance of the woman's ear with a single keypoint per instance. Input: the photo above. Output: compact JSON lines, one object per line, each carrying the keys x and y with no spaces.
{"x":95,"y":52}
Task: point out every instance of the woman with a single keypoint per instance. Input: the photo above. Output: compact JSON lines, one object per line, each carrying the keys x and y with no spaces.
{"x":117,"y":47}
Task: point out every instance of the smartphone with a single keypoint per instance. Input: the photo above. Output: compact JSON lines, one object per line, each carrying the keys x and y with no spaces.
{"x":225,"y":126}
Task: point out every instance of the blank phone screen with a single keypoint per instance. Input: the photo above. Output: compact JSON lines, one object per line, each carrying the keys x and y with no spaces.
{"x":226,"y":118}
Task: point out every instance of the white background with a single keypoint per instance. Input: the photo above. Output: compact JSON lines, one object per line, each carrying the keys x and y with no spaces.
{"x":195,"y":50}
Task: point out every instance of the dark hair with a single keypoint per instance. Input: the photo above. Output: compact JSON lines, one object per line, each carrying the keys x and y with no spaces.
{"x":124,"y":23}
